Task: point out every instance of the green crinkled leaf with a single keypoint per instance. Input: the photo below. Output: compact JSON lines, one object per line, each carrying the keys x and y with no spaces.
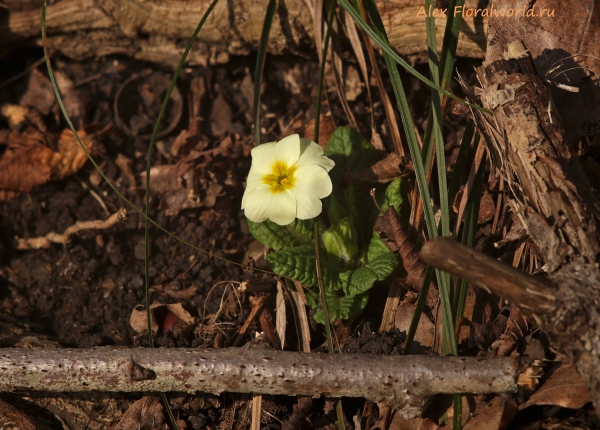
{"x":358,"y":281}
{"x":376,"y":247}
{"x":281,"y":236}
{"x":342,"y":307}
{"x":350,"y":151}
{"x":384,"y":265}
{"x":297,"y":263}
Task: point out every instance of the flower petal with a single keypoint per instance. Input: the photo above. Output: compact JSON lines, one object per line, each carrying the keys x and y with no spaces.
{"x":313,"y":180}
{"x":312,"y":153}
{"x":256,"y":203}
{"x":288,"y":149}
{"x":282,"y":208}
{"x":263,"y":158}
{"x":308,"y":206}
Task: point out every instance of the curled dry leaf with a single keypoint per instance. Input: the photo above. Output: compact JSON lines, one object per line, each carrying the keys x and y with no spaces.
{"x":563,"y":388}
{"x":383,"y":171}
{"x":139,"y":322}
{"x":145,"y":414}
{"x":398,"y":239}
{"x":11,"y":417}
{"x":29,"y":162}
{"x":494,"y":415}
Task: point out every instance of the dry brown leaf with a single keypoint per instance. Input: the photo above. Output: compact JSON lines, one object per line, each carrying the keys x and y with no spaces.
{"x":425,"y":334}
{"x":39,"y":93}
{"x":399,"y":240}
{"x":494,"y":415}
{"x":29,"y":162}
{"x":145,"y":414}
{"x":563,"y":388}
{"x":13,"y":418}
{"x":326,"y":129}
{"x":139,"y":322}
{"x":73,"y":157}
{"x":383,"y":171}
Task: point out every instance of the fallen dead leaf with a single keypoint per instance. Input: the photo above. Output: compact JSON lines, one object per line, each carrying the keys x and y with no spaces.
{"x":145,"y":414}
{"x":28,"y":161}
{"x":563,"y":388}
{"x":425,"y":334}
{"x":494,"y":415}
{"x":383,"y":171}
{"x":13,"y":418}
{"x":138,"y":318}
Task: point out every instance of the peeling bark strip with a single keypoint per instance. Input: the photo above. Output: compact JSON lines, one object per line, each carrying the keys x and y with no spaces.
{"x":404,"y":382}
{"x":82,"y":29}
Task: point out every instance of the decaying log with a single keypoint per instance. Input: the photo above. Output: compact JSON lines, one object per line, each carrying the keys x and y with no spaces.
{"x":404,"y":382}
{"x":157,"y":31}
{"x":553,"y":200}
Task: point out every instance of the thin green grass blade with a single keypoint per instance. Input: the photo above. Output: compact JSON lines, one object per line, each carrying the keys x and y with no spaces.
{"x":415,"y":152}
{"x":260,"y":64}
{"x":468,"y":236}
{"x":414,"y":322}
{"x":149,"y":165}
{"x":147,"y":196}
{"x":322,"y":70}
{"x":384,"y":44}
{"x":450,"y":43}
{"x":461,"y":159}
{"x":436,"y":134}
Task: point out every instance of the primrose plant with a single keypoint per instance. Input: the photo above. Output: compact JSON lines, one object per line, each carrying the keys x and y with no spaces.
{"x":286,"y":184}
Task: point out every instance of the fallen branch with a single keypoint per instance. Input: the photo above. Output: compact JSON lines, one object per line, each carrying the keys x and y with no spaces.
{"x":527,"y":291}
{"x":64,"y":238}
{"x":403,"y":382}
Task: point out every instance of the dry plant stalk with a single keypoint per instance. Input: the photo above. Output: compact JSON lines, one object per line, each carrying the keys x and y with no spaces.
{"x":64,"y":238}
{"x":404,"y":382}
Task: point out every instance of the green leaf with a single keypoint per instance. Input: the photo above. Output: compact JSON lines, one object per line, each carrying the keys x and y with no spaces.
{"x":358,"y":281}
{"x":393,"y":196}
{"x":376,"y":247}
{"x":350,"y":151}
{"x":384,"y":265}
{"x":340,"y":242}
{"x":297,"y":263}
{"x":280,"y":237}
{"x":342,"y":307}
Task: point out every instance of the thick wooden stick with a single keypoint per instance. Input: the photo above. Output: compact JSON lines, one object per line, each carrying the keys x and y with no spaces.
{"x":405,"y":382}
{"x":527,"y":291}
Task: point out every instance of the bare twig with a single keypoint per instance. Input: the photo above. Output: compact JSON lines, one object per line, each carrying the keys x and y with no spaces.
{"x":404,"y":382}
{"x":52,"y":237}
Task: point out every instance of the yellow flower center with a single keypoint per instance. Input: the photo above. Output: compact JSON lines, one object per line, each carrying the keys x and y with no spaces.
{"x":281,"y":177}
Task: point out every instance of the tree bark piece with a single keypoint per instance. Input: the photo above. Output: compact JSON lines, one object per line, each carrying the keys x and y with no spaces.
{"x":404,"y":382}
{"x":553,"y":200}
{"x":84,"y":29}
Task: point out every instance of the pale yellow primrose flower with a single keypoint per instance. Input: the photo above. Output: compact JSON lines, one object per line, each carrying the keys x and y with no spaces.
{"x":287,"y":180}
